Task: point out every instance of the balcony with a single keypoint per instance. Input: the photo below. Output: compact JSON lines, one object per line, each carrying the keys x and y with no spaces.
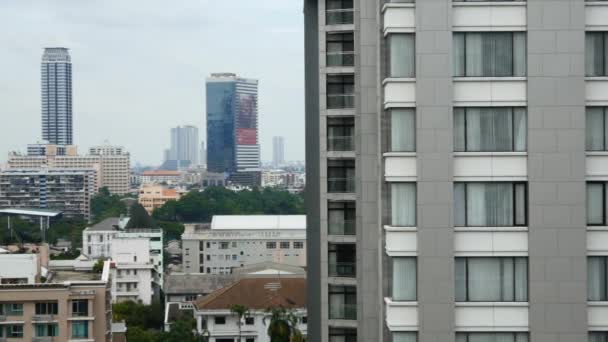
{"x":43,"y":318}
{"x":343,"y":311}
{"x":341,"y":143}
{"x":489,"y":16}
{"x":345,"y":227}
{"x":341,"y":59}
{"x":500,"y":316}
{"x":490,"y":91}
{"x":491,"y":166}
{"x":340,"y":185}
{"x":343,"y":269}
{"x":401,"y":316}
{"x":341,"y":16}
{"x":340,"y":101}
{"x":42,"y":339}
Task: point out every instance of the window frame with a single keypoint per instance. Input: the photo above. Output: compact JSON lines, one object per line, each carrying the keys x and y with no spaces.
{"x":513,"y":54}
{"x":513,"y":129}
{"x":514,"y":184}
{"x":467,"y":279}
{"x":604,"y":223}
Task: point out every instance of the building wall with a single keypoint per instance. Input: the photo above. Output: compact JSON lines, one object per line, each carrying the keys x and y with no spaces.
{"x":56,"y":93}
{"x":19,"y":266}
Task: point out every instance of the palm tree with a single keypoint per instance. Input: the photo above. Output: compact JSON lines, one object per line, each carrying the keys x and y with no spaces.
{"x":239,"y":311}
{"x":283,"y":326}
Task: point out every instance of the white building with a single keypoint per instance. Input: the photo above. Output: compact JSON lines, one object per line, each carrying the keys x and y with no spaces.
{"x":19,"y":268}
{"x":233,"y":241}
{"x":214,"y":317}
{"x":96,"y":240}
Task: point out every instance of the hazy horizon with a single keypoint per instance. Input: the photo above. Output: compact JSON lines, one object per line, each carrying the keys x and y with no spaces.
{"x":139,"y":68}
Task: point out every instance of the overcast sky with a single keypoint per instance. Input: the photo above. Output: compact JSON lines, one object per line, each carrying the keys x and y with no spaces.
{"x":139,"y":67}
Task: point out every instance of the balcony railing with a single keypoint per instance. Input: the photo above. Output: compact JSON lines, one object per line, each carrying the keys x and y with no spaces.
{"x":340,"y":101}
{"x":341,"y":143}
{"x":42,"y":318}
{"x":343,"y":269}
{"x":346,"y":227}
{"x":340,"y":16}
{"x":338,"y":59}
{"x":343,"y":311}
{"x":341,"y":185}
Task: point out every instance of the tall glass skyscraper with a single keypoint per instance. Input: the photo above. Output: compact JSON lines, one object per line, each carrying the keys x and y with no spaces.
{"x":232,"y":127}
{"x":56,"y":77}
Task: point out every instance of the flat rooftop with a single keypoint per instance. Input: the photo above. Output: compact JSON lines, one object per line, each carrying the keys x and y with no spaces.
{"x":63,"y":276}
{"x":258,"y":222}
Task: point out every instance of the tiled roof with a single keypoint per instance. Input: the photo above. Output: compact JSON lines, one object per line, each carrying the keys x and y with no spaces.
{"x":258,"y":294}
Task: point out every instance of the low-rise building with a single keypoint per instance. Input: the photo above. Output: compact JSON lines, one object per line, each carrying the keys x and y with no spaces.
{"x":67,"y":190}
{"x":96,"y":239}
{"x":161,"y":176}
{"x":71,"y":307}
{"x":20,"y":268}
{"x":233,"y":241}
{"x":214,"y":317}
{"x":153,"y":196}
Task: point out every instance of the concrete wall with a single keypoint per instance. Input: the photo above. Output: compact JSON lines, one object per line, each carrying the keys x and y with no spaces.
{"x":19,"y":266}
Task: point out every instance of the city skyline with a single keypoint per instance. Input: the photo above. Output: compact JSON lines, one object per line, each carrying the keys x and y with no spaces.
{"x":158,"y":82}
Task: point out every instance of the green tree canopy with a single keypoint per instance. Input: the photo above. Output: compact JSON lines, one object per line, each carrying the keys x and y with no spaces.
{"x":139,"y":217}
{"x":104,"y":205}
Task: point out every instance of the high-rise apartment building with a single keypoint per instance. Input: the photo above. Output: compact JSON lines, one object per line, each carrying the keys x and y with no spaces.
{"x":56,"y":78}
{"x":232,"y":127}
{"x":456,"y":152}
{"x":278,"y":151}
{"x":184,"y":146}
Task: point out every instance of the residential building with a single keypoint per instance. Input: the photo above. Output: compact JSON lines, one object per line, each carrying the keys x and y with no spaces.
{"x":97,"y":239}
{"x":232,"y":127}
{"x":161,"y":176}
{"x":70,"y":307}
{"x":111,"y":162}
{"x":204,"y":178}
{"x":184,"y":146}
{"x":20,"y":268}
{"x":233,"y":241}
{"x":418,"y":118}
{"x":62,"y":189}
{"x":56,"y":92}
{"x":278,"y":151}
{"x":213,"y":314}
{"x":152,"y":196}
{"x":132,"y":270}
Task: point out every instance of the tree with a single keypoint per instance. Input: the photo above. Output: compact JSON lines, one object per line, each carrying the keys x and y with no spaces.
{"x":104,"y":205}
{"x":139,"y":217}
{"x":98,"y":267}
{"x":139,"y":334}
{"x":240,"y":311}
{"x":283,"y":325}
{"x":182,"y":330}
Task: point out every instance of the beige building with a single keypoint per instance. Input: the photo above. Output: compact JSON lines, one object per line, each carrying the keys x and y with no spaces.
{"x":111,"y":162}
{"x":71,"y":307}
{"x":161,"y":176}
{"x":153,"y":196}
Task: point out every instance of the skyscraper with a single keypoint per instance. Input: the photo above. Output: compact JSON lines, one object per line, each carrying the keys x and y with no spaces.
{"x":430,"y":216}
{"x":232,"y":127}
{"x":278,"y":151}
{"x":184,"y":145}
{"x":56,"y":77}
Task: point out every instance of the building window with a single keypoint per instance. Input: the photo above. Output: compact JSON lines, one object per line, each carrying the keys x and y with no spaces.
{"x":48,"y":308}
{"x":596,"y":127}
{"x":490,"y":54}
{"x":596,"y":51}
{"x":13,"y":309}
{"x":341,"y":176}
{"x":596,"y":204}
{"x":339,"y":12}
{"x":403,"y":204}
{"x":233,"y":244}
{"x":298,"y":245}
{"x":304,"y":320}
{"x":342,"y":302}
{"x":284,"y":244}
{"x":341,"y":134}
{"x":404,"y":279}
{"x":490,"y":129}
{"x":46,"y":330}
{"x":208,"y":245}
{"x":208,"y":257}
{"x":596,"y":336}
{"x":342,"y":260}
{"x":249,"y":320}
{"x":271,"y":245}
{"x":80,"y":329}
{"x":490,"y":204}
{"x":403,"y":130}
{"x":340,"y":91}
{"x":14,"y":331}
{"x":402,"y":55}
{"x":492,"y":337}
{"x":340,"y":49}
{"x":201,"y":246}
{"x":342,"y":335}
{"x":220,"y":320}
{"x":224,"y":245}
{"x":404,"y":336}
{"x":597,"y":278}
{"x":494,"y":279}
{"x":80,"y":307}
{"x":341,"y":218}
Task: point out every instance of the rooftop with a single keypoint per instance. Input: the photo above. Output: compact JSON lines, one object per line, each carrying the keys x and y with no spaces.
{"x":239,"y":222}
{"x":63,"y":276}
{"x":30,"y":212}
{"x":109,"y":224}
{"x":196,"y":282}
{"x":258,"y":294}
{"x":161,"y":173}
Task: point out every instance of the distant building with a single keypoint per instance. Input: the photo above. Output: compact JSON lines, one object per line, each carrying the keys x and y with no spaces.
{"x":153,"y":196}
{"x":232,"y":127}
{"x":62,"y":189}
{"x":203,"y":158}
{"x":161,"y":176}
{"x":96,"y":239}
{"x":278,"y":151}
{"x":19,"y":268}
{"x":204,"y":178}
{"x":214,"y":316}
{"x":70,"y":307}
{"x":184,"y":146}
{"x":111,"y":162}
{"x":234,"y":241}
{"x":56,"y":89}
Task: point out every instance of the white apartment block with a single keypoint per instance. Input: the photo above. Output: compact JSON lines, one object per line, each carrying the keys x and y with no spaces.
{"x":233,"y":241}
{"x":97,"y":239}
{"x":19,"y":268}
{"x":132,"y":270}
